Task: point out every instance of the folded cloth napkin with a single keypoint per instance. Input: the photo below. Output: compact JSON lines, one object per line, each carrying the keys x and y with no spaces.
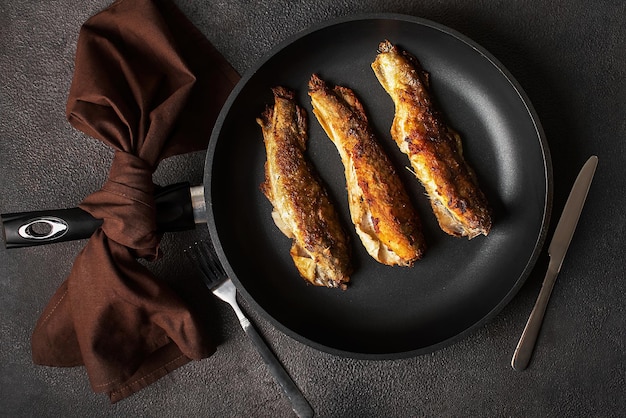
{"x":150,"y":85}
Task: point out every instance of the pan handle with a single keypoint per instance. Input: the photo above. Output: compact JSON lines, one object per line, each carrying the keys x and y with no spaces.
{"x":179,"y":207}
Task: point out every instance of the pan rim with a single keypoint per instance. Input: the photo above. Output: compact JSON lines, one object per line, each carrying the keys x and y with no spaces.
{"x":533,"y":117}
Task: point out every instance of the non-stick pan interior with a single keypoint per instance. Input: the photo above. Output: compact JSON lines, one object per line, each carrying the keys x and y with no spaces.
{"x":386,"y":312}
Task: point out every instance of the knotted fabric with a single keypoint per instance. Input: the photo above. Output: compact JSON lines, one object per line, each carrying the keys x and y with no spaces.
{"x":148,"y":84}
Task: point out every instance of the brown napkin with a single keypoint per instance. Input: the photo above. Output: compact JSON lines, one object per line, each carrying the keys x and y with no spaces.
{"x":148,"y":84}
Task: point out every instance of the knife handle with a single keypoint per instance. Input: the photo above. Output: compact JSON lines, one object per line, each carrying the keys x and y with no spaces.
{"x":526,"y":344}
{"x":174,"y":208}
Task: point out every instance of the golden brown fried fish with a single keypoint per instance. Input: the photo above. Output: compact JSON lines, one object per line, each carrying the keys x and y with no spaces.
{"x":380,"y":208}
{"x":301,"y":207}
{"x":434,"y":149}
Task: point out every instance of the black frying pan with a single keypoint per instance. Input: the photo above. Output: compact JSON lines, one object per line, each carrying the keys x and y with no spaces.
{"x":387,"y":312}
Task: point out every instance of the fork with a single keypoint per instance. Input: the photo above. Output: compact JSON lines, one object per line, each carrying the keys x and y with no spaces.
{"x":203,"y":256}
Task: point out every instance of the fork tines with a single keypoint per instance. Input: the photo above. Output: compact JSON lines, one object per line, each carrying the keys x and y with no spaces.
{"x":203,"y":256}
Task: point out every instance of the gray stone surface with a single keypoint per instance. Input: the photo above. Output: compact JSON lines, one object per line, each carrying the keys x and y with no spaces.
{"x":569,"y":56}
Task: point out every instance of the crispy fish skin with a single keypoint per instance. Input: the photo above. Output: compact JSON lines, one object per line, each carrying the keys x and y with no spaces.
{"x":301,"y":207}
{"x":434,"y":149}
{"x":380,"y":208}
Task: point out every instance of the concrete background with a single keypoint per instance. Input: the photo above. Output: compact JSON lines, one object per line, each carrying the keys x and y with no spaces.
{"x":570,"y":58}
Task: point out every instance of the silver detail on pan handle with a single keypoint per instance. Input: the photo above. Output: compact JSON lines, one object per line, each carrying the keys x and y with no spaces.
{"x":54,"y":228}
{"x":198,"y":204}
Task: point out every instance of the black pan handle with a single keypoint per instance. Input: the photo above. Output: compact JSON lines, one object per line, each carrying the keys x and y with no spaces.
{"x":179,"y":207}
{"x":27,"y":229}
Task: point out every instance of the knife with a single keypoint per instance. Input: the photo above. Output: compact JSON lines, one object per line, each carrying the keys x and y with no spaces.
{"x":179,"y":207}
{"x":556,"y":251}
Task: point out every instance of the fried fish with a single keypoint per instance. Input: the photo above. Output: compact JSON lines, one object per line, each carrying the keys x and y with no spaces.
{"x":380,"y":208}
{"x":434,"y":149}
{"x":302,"y":209}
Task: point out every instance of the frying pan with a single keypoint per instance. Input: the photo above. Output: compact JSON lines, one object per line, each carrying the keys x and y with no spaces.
{"x":387,"y":312}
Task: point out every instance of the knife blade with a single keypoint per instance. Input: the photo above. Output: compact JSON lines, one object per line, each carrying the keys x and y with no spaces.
{"x":556,"y":251}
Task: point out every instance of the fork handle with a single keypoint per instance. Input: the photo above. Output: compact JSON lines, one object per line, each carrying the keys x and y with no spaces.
{"x":298,"y":403}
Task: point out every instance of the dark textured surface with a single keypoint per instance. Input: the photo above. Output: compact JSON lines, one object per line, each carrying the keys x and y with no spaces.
{"x":570,"y":57}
